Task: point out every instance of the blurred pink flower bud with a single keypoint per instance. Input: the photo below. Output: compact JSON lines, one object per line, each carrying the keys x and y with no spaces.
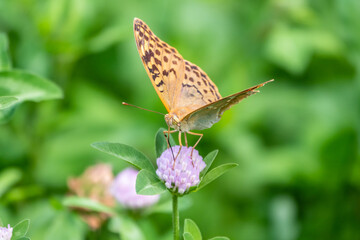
{"x":94,"y":184}
{"x":123,"y":189}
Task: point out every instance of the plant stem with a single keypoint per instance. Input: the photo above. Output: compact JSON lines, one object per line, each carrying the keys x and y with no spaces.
{"x":176,"y":222}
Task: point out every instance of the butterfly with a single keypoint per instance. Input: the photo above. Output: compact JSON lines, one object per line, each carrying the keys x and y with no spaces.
{"x":192,"y":100}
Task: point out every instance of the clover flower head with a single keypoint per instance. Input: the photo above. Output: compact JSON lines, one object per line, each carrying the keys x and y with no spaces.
{"x":6,"y":232}
{"x":183,"y":172}
{"x":123,"y":189}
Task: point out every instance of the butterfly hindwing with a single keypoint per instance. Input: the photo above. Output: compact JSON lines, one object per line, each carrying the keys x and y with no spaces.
{"x":210,"y":114}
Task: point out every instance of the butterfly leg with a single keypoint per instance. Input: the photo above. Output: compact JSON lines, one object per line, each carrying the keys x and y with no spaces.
{"x":186,"y":142}
{"x":179,"y":147}
{"x":180,"y":143}
{"x":200,"y":136}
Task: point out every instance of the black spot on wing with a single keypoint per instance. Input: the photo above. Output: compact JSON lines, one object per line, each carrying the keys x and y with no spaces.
{"x":157,"y":61}
{"x":204,"y":81}
{"x":154,"y":76}
{"x":172,"y":70}
{"x":193,"y":86}
{"x":160,"y":83}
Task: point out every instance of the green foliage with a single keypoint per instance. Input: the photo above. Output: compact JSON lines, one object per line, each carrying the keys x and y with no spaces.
{"x":20,"y":229}
{"x":75,"y":228}
{"x":191,"y":230}
{"x":19,"y":86}
{"x":127,"y":153}
{"x":215,"y":173}
{"x":5,"y":62}
{"x":209,"y":159}
{"x":8,"y":178}
{"x":126,"y":228}
{"x":149,"y":184}
{"x":25,"y":86}
{"x":187,"y":236}
{"x":219,"y":238}
{"x":86,"y":203}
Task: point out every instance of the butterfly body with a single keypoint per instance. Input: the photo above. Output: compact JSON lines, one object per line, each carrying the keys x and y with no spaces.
{"x":186,"y":125}
{"x":192,"y":100}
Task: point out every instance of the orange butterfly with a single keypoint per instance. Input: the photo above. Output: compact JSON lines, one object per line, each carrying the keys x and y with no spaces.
{"x":192,"y":100}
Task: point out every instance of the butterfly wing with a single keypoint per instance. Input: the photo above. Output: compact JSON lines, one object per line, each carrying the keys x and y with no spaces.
{"x":163,"y":63}
{"x":181,"y":85}
{"x":194,"y":91}
{"x":210,"y":114}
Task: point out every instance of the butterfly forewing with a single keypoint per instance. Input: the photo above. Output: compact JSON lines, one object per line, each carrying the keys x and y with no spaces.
{"x":181,"y":85}
{"x":196,"y":90}
{"x":162,"y":62}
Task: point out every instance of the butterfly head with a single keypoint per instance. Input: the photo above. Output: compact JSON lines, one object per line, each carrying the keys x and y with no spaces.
{"x":172,"y":121}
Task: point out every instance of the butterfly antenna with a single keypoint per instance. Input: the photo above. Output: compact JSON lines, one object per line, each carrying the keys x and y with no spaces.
{"x":131,"y":105}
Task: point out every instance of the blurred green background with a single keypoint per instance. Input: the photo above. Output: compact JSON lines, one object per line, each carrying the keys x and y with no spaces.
{"x":296,"y":143}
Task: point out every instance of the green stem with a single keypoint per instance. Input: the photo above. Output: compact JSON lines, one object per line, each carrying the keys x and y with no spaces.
{"x":176,"y":222}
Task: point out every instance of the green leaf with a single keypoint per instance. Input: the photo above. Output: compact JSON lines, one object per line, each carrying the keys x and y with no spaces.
{"x":6,"y":114}
{"x":161,"y":142}
{"x":148,"y":184}
{"x":125,"y":152}
{"x":18,"y":86}
{"x":289,"y":48}
{"x":126,"y":227}
{"x":191,"y":227}
{"x":209,"y":159}
{"x":87,"y":203}
{"x":215,"y":173}
{"x":65,"y":225}
{"x":8,"y":178}
{"x":7,"y":101}
{"x":24,"y":238}
{"x":107,"y":37}
{"x":20,"y":229}
{"x":26,"y":86}
{"x":219,"y":238}
{"x":5,"y":62}
{"x":187,"y":236}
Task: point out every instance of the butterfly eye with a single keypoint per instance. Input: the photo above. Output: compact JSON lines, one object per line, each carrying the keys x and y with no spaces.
{"x":169,"y":120}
